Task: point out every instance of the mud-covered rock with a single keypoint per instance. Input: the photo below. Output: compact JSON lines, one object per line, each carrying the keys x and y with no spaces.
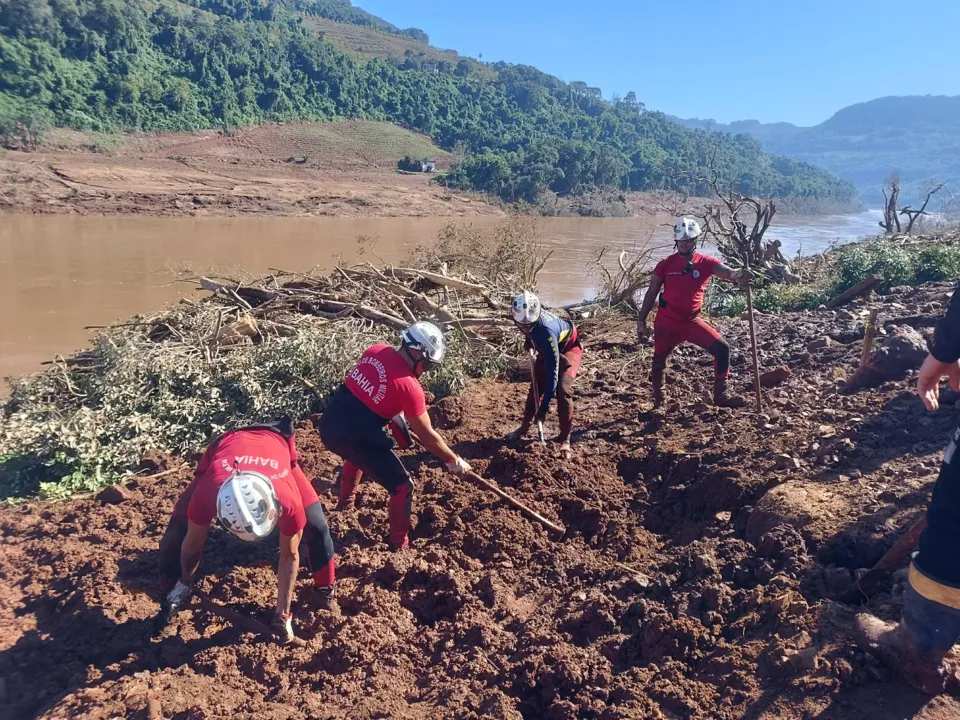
{"x":898,"y":354}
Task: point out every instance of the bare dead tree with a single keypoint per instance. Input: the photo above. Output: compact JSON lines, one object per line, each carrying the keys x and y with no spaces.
{"x":738,"y":224}
{"x":891,"y":219}
{"x":914,"y":215}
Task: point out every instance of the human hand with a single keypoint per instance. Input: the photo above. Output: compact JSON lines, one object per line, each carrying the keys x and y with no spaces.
{"x":282,"y":625}
{"x":928,"y":380}
{"x":178,"y":597}
{"x":643,"y":332}
{"x":458,"y":466}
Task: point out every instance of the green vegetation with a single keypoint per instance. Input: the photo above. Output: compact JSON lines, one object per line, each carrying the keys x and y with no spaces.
{"x":897,"y":264}
{"x":132,"y":64}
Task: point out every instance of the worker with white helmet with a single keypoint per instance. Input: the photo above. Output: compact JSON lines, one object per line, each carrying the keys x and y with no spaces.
{"x":680,"y":281}
{"x":556,"y":343}
{"x":382,"y":392}
{"x":250,"y":480}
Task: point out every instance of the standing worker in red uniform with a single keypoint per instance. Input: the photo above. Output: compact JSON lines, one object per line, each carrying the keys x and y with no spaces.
{"x":682,"y":278}
{"x":250,"y":481}
{"x":383,"y":390}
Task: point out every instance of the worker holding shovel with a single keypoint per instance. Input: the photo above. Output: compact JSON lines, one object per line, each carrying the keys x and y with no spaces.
{"x":250,"y":480}
{"x":680,"y":280}
{"x":382,"y":392}
{"x":918,"y":646}
{"x":556,"y":345}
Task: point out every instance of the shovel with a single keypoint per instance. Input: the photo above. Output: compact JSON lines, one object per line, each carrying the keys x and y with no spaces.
{"x":536,"y":395}
{"x":894,"y":558}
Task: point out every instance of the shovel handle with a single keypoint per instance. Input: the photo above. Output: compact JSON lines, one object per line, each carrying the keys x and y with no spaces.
{"x":487,"y":485}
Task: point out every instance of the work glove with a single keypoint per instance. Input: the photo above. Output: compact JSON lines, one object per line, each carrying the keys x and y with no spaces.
{"x":458,"y":466}
{"x":400,"y":432}
{"x":282,"y":625}
{"x":171,"y":604}
{"x":643,"y":332}
{"x":178,"y":597}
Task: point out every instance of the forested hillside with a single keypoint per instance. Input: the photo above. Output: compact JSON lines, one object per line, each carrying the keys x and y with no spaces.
{"x":146,"y":65}
{"x":917,"y":137}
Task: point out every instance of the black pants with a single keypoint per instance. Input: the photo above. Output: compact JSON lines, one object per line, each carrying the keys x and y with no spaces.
{"x":939,"y":555}
{"x":351,"y":430}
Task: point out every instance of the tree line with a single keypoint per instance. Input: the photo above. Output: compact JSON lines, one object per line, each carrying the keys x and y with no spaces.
{"x":112,"y":65}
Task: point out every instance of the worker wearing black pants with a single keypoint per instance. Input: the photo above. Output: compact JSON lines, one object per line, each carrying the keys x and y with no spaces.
{"x":930,"y":622}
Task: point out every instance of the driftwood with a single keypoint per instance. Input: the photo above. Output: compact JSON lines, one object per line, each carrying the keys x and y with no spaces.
{"x":861,"y":288}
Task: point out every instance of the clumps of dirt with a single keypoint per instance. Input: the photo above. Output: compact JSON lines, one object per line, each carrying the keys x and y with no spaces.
{"x":697,"y":577}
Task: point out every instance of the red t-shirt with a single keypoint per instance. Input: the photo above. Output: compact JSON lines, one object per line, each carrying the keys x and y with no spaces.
{"x":385,"y":383}
{"x":262,"y":451}
{"x":683,"y":291}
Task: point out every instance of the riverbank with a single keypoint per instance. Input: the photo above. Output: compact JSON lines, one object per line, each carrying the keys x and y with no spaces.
{"x":703,"y":574}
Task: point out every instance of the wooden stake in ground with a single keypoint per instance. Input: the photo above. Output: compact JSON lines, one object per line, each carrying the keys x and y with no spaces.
{"x":869,"y":331}
{"x":753,"y":349}
{"x":487,"y":485}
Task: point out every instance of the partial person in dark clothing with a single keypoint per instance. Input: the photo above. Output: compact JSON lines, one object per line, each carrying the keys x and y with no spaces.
{"x":930,"y":623}
{"x":556,"y":343}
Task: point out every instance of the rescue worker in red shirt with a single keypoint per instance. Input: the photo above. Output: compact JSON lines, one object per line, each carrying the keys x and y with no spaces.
{"x":680,"y":281}
{"x":383,"y":390}
{"x":250,"y":481}
{"x":557,"y":345}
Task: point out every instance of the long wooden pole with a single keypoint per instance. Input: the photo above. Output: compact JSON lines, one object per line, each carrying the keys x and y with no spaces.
{"x":487,"y":485}
{"x":753,"y":349}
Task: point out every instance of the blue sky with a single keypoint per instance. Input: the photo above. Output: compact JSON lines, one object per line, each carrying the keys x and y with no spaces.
{"x":786,"y":60}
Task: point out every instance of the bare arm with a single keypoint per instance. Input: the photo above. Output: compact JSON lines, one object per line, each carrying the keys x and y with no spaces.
{"x":429,"y":438}
{"x":191,"y":550}
{"x":287,"y":570}
{"x":728,"y":273}
{"x":650,"y":298}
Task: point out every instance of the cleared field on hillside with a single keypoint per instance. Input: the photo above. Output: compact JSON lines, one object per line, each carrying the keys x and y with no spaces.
{"x":366,"y":42}
{"x":351,"y":144}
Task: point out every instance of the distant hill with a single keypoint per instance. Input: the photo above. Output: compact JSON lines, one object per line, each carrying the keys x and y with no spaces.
{"x":918,"y":136}
{"x":521,"y":134}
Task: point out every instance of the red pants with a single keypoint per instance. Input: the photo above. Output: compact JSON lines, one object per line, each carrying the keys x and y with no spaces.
{"x":569,"y":366}
{"x":669,"y":332}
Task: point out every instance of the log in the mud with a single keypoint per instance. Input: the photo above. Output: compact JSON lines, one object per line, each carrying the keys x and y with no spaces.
{"x":861,"y":288}
{"x":487,"y":485}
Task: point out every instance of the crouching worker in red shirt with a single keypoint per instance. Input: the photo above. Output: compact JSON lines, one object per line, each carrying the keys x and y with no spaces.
{"x":250,"y":481}
{"x":383,"y":390}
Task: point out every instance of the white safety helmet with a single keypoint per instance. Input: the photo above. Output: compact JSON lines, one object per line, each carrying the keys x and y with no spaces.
{"x":247,"y":505}
{"x":526,"y":308}
{"x":427,"y":338}
{"x":686,"y":229}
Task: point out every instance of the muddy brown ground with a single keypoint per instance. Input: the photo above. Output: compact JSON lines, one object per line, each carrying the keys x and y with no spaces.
{"x":343,"y":169}
{"x":729,"y":607}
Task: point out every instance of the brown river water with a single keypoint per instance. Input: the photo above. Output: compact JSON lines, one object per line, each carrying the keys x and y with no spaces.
{"x":59,"y":274}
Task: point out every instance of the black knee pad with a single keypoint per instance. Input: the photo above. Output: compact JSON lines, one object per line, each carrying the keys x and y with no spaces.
{"x":316,"y":535}
{"x":721,"y":353}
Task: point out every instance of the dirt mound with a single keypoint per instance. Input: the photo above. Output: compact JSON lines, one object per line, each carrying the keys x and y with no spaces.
{"x":695,"y":579}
